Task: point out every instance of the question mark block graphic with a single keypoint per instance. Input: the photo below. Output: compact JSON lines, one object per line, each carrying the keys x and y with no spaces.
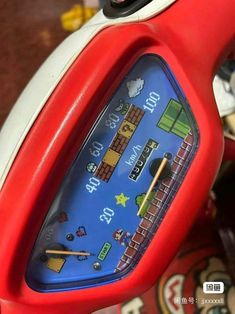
{"x":127,"y":129}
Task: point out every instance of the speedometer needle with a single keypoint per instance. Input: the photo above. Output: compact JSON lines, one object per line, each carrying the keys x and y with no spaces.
{"x":153,"y":183}
{"x":68,"y":253}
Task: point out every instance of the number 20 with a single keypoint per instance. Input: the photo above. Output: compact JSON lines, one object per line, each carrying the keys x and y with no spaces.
{"x":107,"y":215}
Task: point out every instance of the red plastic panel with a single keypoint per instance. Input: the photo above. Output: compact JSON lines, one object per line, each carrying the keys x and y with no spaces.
{"x":191,"y":37}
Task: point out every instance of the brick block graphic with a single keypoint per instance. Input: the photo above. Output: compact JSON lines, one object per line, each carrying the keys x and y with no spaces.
{"x":147,"y":222}
{"x":138,"y":238}
{"x":119,"y":143}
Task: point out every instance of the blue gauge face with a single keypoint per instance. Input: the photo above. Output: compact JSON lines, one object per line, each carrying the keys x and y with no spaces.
{"x":101,"y":221}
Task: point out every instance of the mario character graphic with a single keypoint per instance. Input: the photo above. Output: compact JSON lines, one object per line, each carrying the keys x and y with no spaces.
{"x":221,"y":303}
{"x":183,"y":292}
{"x":123,"y":237}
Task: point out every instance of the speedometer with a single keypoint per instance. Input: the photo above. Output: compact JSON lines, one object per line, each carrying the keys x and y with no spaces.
{"x":120,"y":185}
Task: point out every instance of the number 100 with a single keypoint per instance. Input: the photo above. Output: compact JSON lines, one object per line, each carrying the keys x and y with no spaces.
{"x":151,"y":102}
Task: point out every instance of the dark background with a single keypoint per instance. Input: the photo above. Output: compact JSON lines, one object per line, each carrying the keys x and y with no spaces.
{"x":29,"y":32}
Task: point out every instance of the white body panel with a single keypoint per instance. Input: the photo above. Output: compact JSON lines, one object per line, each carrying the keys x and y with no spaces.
{"x":225,"y":100}
{"x":39,"y":89}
